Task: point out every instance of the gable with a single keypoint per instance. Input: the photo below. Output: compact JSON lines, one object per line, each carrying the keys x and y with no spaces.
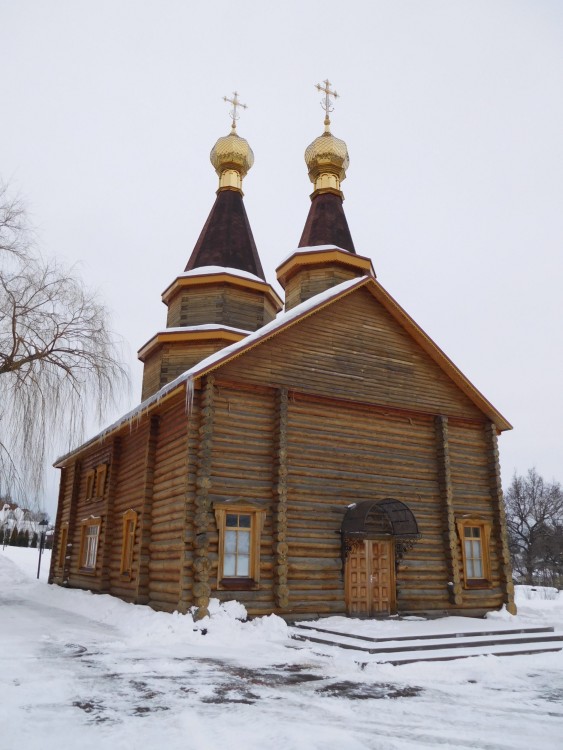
{"x":353,"y":349}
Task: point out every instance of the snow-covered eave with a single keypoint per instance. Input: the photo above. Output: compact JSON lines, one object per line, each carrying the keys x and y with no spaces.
{"x":283,"y":321}
{"x":323,"y":254}
{"x":204,"y":270}
{"x":236,"y":275}
{"x":213,"y":331}
{"x":312,"y":249}
{"x":203,"y":327}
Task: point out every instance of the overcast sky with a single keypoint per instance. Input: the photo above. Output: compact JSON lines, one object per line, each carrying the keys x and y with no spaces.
{"x":453,"y":116}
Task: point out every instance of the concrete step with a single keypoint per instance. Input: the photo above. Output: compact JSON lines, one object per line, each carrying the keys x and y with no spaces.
{"x":423,"y":637}
{"x":438,"y":646}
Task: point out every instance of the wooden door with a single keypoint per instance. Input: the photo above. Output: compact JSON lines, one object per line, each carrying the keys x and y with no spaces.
{"x":370,"y":578}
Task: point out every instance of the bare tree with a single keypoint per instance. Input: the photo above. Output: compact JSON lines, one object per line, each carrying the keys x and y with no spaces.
{"x":534,"y":512}
{"x":14,"y":230}
{"x":59,"y":362}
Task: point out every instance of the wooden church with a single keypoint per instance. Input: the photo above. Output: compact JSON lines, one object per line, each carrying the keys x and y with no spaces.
{"x":316,"y":455}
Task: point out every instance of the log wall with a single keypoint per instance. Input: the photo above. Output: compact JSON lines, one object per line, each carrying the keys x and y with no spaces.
{"x":339,"y":409}
{"x":472,"y":496}
{"x":191,"y":447}
{"x":82,"y":508}
{"x":168,"y":496}
{"x":337,"y":457}
{"x":59,"y":573}
{"x":111,"y":522}
{"x":128,"y":494}
{"x":242,"y":468}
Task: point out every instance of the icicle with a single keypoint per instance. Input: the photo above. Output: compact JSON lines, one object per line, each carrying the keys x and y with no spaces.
{"x":189,"y":395}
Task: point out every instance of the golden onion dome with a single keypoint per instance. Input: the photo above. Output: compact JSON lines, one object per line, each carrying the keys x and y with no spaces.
{"x":327,"y":160}
{"x":232,"y":157}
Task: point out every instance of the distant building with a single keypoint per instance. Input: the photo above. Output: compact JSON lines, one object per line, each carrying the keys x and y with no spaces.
{"x":328,"y":459}
{"x":13,"y":517}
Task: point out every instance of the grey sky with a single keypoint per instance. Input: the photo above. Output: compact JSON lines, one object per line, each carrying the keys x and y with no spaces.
{"x":453,"y":116}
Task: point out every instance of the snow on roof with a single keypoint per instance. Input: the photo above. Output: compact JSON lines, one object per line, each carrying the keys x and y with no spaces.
{"x":188,"y":329}
{"x":203,"y":327}
{"x":313,"y":249}
{"x":226,"y":352}
{"x":203,"y":270}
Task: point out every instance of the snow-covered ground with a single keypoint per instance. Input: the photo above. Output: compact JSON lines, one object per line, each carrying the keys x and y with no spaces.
{"x":80,"y":671}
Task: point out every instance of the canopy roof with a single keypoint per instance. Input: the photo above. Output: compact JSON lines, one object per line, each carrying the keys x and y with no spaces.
{"x":376,"y":517}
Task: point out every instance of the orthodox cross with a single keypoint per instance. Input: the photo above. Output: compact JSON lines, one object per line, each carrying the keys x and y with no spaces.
{"x":326,"y":105}
{"x":236,"y":103}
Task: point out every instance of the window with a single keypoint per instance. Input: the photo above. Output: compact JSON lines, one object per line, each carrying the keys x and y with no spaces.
{"x":236,"y":552}
{"x":62,"y":545}
{"x":240,"y":527}
{"x":474,"y":535}
{"x":101,"y":472}
{"x":89,"y":537}
{"x":90,"y":481}
{"x":128,"y":543}
{"x":96,"y":482}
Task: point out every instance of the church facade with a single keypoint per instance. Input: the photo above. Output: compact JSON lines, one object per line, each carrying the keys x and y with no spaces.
{"x":308,"y":456}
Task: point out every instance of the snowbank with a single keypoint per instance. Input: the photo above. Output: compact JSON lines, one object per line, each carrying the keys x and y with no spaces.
{"x":525,"y":593}
{"x":227,"y":623}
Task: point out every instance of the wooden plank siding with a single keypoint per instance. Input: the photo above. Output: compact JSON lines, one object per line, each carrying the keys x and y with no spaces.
{"x":220,"y":303}
{"x":353,"y":350}
{"x":170,"y":360}
{"x":313,"y":280}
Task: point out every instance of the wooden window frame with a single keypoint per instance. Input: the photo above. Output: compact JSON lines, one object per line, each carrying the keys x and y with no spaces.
{"x":63,"y":543}
{"x":90,"y":484}
{"x":100,"y":484}
{"x":485,"y":527}
{"x":257,"y":515}
{"x":96,"y":482}
{"x":128,"y":543}
{"x":85,"y":524}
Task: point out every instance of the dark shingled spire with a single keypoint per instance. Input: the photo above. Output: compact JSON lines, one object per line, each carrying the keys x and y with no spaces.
{"x":326,"y":224}
{"x":226,"y":239}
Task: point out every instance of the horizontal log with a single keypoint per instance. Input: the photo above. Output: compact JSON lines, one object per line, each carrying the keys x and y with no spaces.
{"x":163,"y":600}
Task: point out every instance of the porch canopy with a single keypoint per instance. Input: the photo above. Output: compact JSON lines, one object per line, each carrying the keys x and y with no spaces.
{"x":370,"y":519}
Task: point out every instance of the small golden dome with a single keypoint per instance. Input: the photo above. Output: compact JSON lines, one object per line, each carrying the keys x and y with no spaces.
{"x":327,"y":160}
{"x":232,"y":157}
